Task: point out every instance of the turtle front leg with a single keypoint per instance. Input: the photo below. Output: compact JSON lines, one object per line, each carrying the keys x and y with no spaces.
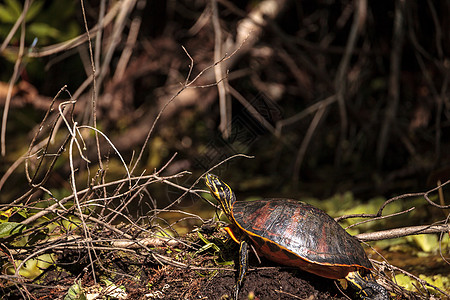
{"x":243,"y":266}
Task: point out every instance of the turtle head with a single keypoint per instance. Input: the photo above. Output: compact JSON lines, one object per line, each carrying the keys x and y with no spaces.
{"x":221,"y":192}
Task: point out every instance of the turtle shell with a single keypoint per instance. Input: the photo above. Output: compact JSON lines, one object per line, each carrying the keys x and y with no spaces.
{"x":296,"y":234}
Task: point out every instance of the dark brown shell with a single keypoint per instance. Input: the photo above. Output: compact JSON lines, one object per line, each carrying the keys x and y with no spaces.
{"x":293,"y":233}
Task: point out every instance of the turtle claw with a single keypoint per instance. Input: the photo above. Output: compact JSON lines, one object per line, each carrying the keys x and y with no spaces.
{"x":375,"y":291}
{"x":368,"y":288}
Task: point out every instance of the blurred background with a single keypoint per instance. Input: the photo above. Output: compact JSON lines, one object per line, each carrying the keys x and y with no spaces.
{"x":328,"y":96}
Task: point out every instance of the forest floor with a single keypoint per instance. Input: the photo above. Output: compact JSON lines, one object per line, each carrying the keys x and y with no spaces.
{"x":136,"y":275}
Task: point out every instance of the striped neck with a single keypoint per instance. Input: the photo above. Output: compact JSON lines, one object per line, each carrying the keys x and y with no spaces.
{"x":222,"y":193}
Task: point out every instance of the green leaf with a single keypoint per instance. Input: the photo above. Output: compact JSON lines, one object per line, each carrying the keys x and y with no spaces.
{"x":15,"y":7}
{"x":113,"y":291}
{"x":63,"y":9}
{"x":438,"y":280}
{"x":42,"y":30}
{"x":23,"y":212}
{"x":4,"y":215}
{"x":75,"y":292}
{"x":7,"y":15}
{"x":207,"y":246}
{"x":34,"y":267}
{"x":34,"y":10}
{"x":10,"y":228}
{"x":426,"y":242}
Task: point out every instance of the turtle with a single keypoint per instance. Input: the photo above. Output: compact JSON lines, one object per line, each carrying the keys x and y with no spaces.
{"x":296,"y":234}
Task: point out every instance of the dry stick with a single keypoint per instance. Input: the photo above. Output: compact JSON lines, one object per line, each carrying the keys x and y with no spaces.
{"x":157,"y":118}
{"x":304,"y":113}
{"x":124,"y":205}
{"x":116,"y":213}
{"x":99,"y":35}
{"x":289,"y":42}
{"x":440,"y":98}
{"x":374,"y":217}
{"x":250,"y":28}
{"x":378,"y":215}
{"x":110,"y":144}
{"x":45,"y":141}
{"x":340,"y":83}
{"x":441,"y":236}
{"x":96,"y":61}
{"x":394,"y":80}
{"x":253,"y":111}
{"x":74,"y":43}
{"x":114,"y":41}
{"x":291,"y":296}
{"x":31,"y":149}
{"x":425,"y":195}
{"x":13,"y":30}
{"x":185,"y":85}
{"x":248,"y":32}
{"x":128,"y":50}
{"x":400,"y":232}
{"x":125,"y":10}
{"x":13,"y":79}
{"x":224,"y":97}
{"x":437,"y":96}
{"x":67,"y":45}
{"x":189,"y":190}
{"x":93,"y":188}
{"x":255,"y":114}
{"x":94,"y":96}
{"x":306,"y":140}
{"x":86,"y":83}
{"x":306,"y":62}
{"x":304,"y":84}
{"x":28,"y":155}
{"x":437,"y":30}
{"x":422,"y":282}
{"x":201,"y":21}
{"x":195,"y":192}
{"x":77,"y":203}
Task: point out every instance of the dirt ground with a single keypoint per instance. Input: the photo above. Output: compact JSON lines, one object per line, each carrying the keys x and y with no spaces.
{"x":187,"y":270}
{"x":272,"y":283}
{"x":199,"y":265}
{"x":141,"y":279}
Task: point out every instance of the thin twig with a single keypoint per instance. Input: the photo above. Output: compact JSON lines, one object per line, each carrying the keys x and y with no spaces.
{"x":14,"y":77}
{"x":394,"y":80}
{"x":400,"y":232}
{"x":224,"y":98}
{"x":340,"y":82}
